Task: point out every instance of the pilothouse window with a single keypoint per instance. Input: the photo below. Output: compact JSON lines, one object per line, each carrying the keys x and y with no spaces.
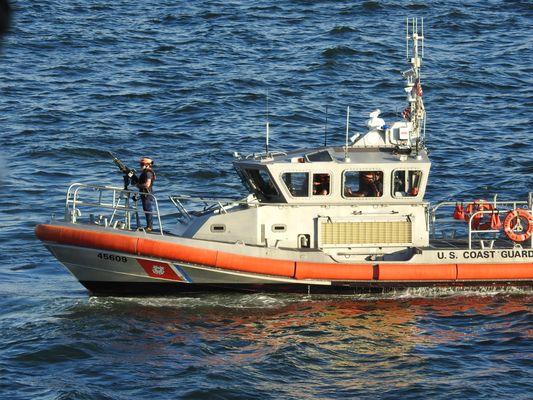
{"x":297,"y":183}
{"x":321,"y":184}
{"x":262,"y":183}
{"x":320,"y":156}
{"x":363,"y":184}
{"x":406,"y":183}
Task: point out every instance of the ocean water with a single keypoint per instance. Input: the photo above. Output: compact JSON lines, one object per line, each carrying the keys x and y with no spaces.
{"x":186,"y":83}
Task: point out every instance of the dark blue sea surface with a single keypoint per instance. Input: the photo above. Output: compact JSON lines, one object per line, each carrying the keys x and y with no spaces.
{"x":186,"y":83}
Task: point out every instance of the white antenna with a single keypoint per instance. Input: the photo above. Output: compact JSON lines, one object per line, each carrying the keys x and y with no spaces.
{"x":407,"y":39}
{"x":422,"y":20}
{"x":326,"y":129}
{"x":346,"y":159}
{"x":267,"y":127}
{"x":413,"y":36}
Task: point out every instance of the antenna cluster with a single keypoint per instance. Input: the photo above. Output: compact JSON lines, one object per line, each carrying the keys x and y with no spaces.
{"x":415,"y":111}
{"x":414,"y":51}
{"x":413,"y":35}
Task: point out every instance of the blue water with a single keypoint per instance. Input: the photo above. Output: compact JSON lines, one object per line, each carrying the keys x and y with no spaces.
{"x":186,"y":83}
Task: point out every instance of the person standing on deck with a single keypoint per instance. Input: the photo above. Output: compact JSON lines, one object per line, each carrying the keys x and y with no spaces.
{"x":145,"y":185}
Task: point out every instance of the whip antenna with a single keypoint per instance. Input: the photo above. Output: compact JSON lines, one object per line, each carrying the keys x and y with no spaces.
{"x":347,"y":130}
{"x":267,"y":127}
{"x":326,"y":129}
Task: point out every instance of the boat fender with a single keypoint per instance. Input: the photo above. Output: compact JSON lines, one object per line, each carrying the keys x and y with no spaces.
{"x":513,"y":225}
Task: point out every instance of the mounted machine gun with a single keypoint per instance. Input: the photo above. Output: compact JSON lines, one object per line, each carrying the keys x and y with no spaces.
{"x":129,"y":174}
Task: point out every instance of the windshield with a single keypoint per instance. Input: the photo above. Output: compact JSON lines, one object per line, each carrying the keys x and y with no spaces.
{"x":320,"y":156}
{"x":262,"y":183}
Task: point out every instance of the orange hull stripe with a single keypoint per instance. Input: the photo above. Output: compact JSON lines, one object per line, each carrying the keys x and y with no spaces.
{"x":418,"y":272}
{"x":307,"y":270}
{"x":285,"y":268}
{"x":495,"y":271}
{"x":170,"y":251}
{"x":84,"y":238}
{"x":257,"y":265}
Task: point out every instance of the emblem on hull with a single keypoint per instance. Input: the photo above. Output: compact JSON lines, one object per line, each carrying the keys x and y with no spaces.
{"x":158,"y":270}
{"x":161,"y":270}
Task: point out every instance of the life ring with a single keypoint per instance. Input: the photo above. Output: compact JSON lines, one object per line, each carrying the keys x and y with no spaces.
{"x":479,"y":219}
{"x":513,"y":228}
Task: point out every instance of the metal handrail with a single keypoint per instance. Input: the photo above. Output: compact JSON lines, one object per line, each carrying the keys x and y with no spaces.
{"x":507,"y":206}
{"x":210,"y":204}
{"x":255,"y":203}
{"x":221,"y":204}
{"x":73,"y":203}
{"x":264,"y":155}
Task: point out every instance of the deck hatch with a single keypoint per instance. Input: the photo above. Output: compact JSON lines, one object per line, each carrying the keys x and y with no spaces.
{"x":347,"y":233}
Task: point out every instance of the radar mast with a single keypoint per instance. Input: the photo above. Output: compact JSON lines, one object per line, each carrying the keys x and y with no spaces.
{"x":415,"y":111}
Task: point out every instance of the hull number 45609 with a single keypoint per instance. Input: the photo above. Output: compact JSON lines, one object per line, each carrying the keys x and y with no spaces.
{"x":112,"y":257}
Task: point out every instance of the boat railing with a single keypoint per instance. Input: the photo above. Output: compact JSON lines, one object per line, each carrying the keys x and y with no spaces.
{"x":121,"y":205}
{"x":223,"y":205}
{"x":484,"y":235}
{"x":264,"y":155}
{"x":210,"y":204}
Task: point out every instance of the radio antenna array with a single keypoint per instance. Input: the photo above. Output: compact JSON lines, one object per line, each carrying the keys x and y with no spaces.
{"x":414,"y":34}
{"x":414,"y":51}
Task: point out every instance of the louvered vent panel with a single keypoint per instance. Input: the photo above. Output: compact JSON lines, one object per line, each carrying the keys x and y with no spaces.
{"x":339,"y":233}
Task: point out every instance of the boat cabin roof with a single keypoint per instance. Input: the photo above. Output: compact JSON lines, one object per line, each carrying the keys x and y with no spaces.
{"x":299,"y":176}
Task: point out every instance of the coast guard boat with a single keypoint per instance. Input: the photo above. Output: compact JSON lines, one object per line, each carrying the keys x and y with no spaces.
{"x":339,"y":219}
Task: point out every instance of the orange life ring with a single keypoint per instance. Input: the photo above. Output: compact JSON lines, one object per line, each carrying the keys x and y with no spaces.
{"x":478,"y":220}
{"x":513,"y":222}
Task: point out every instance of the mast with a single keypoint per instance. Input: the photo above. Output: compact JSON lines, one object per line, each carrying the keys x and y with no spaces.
{"x":415,"y":112}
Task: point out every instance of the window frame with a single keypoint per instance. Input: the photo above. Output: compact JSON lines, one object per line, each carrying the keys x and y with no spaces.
{"x":311,"y":154}
{"x":287,"y":188}
{"x":330,"y":184}
{"x":256,"y":189}
{"x":356,"y":198}
{"x":393,"y":192}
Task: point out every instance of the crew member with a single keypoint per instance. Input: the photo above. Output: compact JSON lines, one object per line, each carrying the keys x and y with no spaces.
{"x":145,"y":184}
{"x":321,"y":184}
{"x":370,"y":185}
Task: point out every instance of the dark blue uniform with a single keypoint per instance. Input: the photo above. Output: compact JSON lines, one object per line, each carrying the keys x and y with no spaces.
{"x":146,"y":199}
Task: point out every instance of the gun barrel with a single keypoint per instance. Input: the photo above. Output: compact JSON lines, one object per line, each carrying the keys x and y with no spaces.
{"x":129,"y":174}
{"x":119,"y":164}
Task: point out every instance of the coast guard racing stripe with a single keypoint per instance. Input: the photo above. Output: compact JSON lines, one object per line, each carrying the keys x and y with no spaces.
{"x":161,"y":270}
